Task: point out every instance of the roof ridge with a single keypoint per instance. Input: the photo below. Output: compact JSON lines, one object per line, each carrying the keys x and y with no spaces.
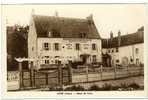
{"x":62,"y":17}
{"x":127,"y":34}
{"x":67,"y":26}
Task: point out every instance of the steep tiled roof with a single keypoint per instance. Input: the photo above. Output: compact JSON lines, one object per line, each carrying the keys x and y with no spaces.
{"x":129,"y":39}
{"x":65,"y":27}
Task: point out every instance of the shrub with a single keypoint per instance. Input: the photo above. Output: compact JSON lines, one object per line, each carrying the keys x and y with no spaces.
{"x":55,"y":89}
{"x":106,"y":87}
{"x":75,"y":88}
{"x":124,"y":85}
{"x":94,"y":88}
{"x":134,"y":86}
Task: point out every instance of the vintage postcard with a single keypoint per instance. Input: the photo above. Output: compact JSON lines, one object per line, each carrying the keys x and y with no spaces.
{"x":74,"y":50}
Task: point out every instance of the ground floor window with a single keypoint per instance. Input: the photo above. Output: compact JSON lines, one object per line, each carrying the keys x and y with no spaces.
{"x":94,"y":58}
{"x":137,"y":61}
{"x":46,"y":61}
{"x":57,"y":62}
{"x":117,"y":61}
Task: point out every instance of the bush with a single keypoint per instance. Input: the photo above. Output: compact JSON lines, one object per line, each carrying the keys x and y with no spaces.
{"x":75,"y":88}
{"x":94,"y":88}
{"x":124,"y":85}
{"x":55,"y":89}
{"x":141,"y":65}
{"x":109,"y":87}
{"x":134,"y":86}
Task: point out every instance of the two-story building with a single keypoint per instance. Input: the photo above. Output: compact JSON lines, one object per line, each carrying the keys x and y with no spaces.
{"x":53,"y":39}
{"x":124,"y":49}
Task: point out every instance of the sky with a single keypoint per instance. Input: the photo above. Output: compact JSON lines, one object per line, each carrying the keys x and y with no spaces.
{"x":107,"y":17}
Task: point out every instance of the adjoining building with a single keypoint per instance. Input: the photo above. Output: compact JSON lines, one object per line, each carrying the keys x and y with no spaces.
{"x":54,"y":39}
{"x":124,"y":49}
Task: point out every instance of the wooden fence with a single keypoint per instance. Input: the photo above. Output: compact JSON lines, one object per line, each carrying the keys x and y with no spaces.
{"x":13,"y":80}
{"x":47,"y":78}
{"x":64,"y":76}
{"x":89,"y":74}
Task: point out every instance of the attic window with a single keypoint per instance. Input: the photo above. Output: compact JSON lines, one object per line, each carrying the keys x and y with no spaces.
{"x":137,"y":50}
{"x":82,"y":35}
{"x":49,"y":34}
{"x":117,"y":50}
{"x":55,"y":33}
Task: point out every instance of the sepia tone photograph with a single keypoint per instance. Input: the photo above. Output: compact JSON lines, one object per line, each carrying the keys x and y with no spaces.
{"x":74,"y":47}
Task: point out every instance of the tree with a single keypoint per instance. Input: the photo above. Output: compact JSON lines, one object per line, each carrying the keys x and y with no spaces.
{"x":16,"y":45}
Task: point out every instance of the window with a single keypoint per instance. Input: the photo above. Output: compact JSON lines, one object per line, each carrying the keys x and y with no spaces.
{"x":94,"y":47}
{"x":49,"y":34}
{"x":108,"y":51}
{"x":112,"y":50}
{"x":77,"y":46}
{"x":136,"y":50}
{"x":137,"y":61}
{"x":46,"y":46}
{"x":46,"y":56}
{"x":94,"y":58}
{"x":46,"y":61}
{"x":117,"y":61}
{"x":55,"y":33}
{"x":57,"y":62}
{"x":32,"y":48}
{"x":117,"y":50}
{"x":82,"y":35}
{"x":131,"y":60}
{"x":56,"y":46}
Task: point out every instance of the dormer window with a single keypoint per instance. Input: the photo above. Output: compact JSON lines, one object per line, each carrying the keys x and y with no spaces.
{"x":136,"y":50}
{"x":49,"y":34}
{"x":55,"y":33}
{"x":82,"y":35}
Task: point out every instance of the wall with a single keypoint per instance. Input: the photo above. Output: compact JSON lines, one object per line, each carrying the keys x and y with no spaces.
{"x":13,"y":80}
{"x":127,"y":51}
{"x":32,"y":40}
{"x":65,"y":53}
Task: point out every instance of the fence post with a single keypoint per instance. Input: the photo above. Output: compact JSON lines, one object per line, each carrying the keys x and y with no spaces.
{"x":140,"y":69}
{"x":33,"y":77}
{"x":115,"y":71}
{"x":46,"y":75}
{"x":21,"y":75}
{"x":86,"y":73}
{"x":31,"y":73}
{"x":59,"y":75}
{"x":69,"y":73}
{"x":128,"y":71}
{"x":101,"y":70}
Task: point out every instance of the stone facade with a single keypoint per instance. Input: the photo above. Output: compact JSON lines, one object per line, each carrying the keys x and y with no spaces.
{"x":127,"y":49}
{"x":60,"y":44}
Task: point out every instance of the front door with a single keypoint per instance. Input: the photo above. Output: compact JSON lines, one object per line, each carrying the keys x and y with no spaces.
{"x":84,"y":59}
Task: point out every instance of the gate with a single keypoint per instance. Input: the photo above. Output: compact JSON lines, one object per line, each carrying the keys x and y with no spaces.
{"x":58,"y":75}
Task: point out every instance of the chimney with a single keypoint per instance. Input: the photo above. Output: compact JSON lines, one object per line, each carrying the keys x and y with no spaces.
{"x":111,"y":35}
{"x":90,"y":17}
{"x":32,"y":12}
{"x":56,"y":14}
{"x":119,"y":38}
